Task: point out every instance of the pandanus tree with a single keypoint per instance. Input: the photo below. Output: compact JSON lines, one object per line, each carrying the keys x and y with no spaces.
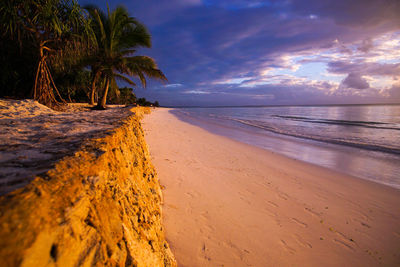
{"x":58,"y":30}
{"x":117,"y":37}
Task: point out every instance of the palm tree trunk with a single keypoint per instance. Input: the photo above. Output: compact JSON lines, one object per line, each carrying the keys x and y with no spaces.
{"x":102,"y":103}
{"x":44,"y":83}
{"x":93,"y":89}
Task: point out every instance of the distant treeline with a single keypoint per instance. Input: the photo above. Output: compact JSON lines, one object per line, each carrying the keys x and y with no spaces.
{"x":56,"y":51}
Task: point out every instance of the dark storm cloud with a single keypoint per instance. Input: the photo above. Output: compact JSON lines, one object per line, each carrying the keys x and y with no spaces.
{"x":366,"y":45}
{"x":197,"y":43}
{"x":355,"y":81}
{"x":222,"y":44}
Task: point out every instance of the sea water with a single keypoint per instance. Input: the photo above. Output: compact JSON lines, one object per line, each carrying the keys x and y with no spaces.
{"x":360,"y":140}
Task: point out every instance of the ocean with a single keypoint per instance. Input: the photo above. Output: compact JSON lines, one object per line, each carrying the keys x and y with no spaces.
{"x":359,"y":140}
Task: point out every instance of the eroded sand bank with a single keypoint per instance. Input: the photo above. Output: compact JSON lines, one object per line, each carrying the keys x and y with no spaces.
{"x":34,"y":137}
{"x":99,"y":205}
{"x":231,"y":204}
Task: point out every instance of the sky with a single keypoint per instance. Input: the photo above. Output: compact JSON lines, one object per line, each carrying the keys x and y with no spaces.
{"x":276,"y":52}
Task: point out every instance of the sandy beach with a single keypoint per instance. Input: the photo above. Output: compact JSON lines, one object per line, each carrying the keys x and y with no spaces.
{"x":231,"y":204}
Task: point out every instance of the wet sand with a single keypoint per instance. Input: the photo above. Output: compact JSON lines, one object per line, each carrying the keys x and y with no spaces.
{"x":231,"y":204}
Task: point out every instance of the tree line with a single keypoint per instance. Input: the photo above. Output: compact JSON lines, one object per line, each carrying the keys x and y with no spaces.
{"x":57,"y":51}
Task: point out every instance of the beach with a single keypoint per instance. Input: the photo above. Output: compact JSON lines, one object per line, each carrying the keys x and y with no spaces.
{"x":227,"y":203}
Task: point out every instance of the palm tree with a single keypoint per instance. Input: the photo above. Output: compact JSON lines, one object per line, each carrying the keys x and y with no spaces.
{"x":52,"y":25}
{"x":117,"y":36}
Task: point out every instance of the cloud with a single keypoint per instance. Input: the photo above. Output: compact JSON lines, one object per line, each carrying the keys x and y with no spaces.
{"x":366,"y":45}
{"x":240,"y":4}
{"x":368,"y":13}
{"x":366,"y":68}
{"x":355,"y":81}
{"x":196,"y":92}
{"x":173,"y":85}
{"x":244,"y":50}
{"x":220,"y":44}
{"x":392,"y":92}
{"x":234,"y":80}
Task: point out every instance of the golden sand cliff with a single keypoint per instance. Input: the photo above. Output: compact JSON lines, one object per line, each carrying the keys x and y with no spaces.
{"x":98,"y":201}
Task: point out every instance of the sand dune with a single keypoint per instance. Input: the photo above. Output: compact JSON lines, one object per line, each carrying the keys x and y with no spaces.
{"x":231,"y":204}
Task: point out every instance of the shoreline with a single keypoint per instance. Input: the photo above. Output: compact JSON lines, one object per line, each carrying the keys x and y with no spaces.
{"x":337,"y":157}
{"x":227,"y":202}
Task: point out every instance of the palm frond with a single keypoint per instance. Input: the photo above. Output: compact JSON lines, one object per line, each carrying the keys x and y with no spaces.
{"x":125,"y":79}
{"x":128,"y":52}
{"x":145,"y":65}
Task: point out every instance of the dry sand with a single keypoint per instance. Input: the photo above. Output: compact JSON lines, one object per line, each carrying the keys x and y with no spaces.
{"x":33,"y":137}
{"x":231,"y":204}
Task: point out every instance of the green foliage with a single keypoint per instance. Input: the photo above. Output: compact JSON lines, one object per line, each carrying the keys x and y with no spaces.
{"x":55,"y":29}
{"x":49,"y":42}
{"x":143,"y":102}
{"x":74,"y":84}
{"x":51,"y":23}
{"x":123,"y":96}
{"x":117,"y":37}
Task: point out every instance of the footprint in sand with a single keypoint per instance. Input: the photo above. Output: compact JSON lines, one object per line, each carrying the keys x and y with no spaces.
{"x":283,"y":196}
{"x":273,"y":204}
{"x":362,"y":223}
{"x":321,"y":197}
{"x":271,"y":213}
{"x":396,"y":234}
{"x":263,"y":184}
{"x":172,"y":206}
{"x":302,"y":242}
{"x":240,"y":254}
{"x":192,"y":194}
{"x":344,"y":241}
{"x":299,"y":222}
{"x":346,"y":238}
{"x":205,"y":215}
{"x":314,"y":213}
{"x":343,"y":244}
{"x":365,"y":225}
{"x":204,"y":252}
{"x":287,"y":247}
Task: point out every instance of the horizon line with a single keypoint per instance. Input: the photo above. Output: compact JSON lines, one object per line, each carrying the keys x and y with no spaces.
{"x":279,"y":105}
